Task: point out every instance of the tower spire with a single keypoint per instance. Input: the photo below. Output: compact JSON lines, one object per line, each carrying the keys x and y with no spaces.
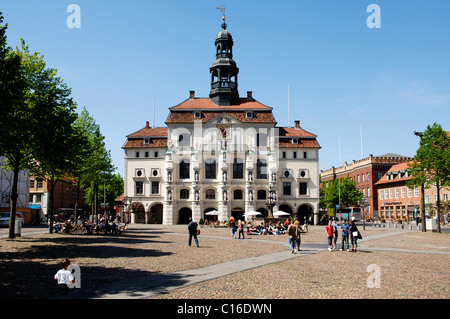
{"x":222,"y":9}
{"x":224,"y":71}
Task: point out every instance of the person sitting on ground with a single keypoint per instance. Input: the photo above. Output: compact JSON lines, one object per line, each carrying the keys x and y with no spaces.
{"x":264,"y":229}
{"x":253,"y":231}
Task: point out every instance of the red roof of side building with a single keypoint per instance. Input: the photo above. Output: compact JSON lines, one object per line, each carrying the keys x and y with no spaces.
{"x":294,"y":132}
{"x":157,"y":137}
{"x":148,"y":131}
{"x":120,"y":198}
{"x":302,"y":143}
{"x":304,"y":138}
{"x":402,"y":167}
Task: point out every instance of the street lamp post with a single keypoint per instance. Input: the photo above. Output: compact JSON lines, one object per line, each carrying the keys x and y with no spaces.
{"x":422,"y":193}
{"x":363,"y":204}
{"x":126,"y":201}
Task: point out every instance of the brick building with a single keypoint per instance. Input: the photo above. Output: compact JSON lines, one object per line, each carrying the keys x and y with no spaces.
{"x":64,"y":196}
{"x":366,"y":172}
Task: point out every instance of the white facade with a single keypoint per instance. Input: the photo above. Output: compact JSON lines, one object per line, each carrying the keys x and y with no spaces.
{"x":222,"y":172}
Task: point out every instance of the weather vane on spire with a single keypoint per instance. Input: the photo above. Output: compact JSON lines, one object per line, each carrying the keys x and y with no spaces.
{"x":222,"y":9}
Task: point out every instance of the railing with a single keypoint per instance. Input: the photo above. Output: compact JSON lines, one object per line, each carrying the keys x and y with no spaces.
{"x":223,"y":84}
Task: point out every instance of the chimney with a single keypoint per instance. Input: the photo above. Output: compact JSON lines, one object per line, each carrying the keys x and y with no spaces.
{"x":191,"y":95}
{"x":147,"y":125}
{"x":249,"y":95}
{"x":297,"y":124}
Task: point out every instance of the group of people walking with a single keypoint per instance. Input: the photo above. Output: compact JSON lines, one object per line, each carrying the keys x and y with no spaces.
{"x":347,"y":230}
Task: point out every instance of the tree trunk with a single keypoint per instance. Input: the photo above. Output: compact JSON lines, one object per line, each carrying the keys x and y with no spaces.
{"x":52,"y":205}
{"x":14,"y":196}
{"x":422,"y":209}
{"x":77,"y":201}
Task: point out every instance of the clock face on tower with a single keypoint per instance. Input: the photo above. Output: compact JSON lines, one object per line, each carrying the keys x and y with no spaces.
{"x":224,"y":131}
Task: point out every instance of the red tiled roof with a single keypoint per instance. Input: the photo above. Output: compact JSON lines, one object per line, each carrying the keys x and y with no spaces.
{"x":395,"y":168}
{"x":120,"y":198}
{"x":148,"y":131}
{"x":139,"y":143}
{"x":294,"y":132}
{"x":188,"y":117}
{"x":207,"y":104}
{"x":302,"y":143}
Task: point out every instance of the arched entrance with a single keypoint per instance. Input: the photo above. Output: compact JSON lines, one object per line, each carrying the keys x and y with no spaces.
{"x":285,"y":208}
{"x":304,"y":212}
{"x":210,"y":217}
{"x":183,"y":215}
{"x":264,"y":212}
{"x":156,"y":213}
{"x":139,"y":213}
{"x":237,"y":213}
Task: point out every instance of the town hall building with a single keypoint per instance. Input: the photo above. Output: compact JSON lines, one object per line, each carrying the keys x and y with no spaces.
{"x":223,"y":155}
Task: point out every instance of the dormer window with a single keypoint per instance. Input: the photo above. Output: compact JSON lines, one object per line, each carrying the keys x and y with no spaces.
{"x":197,"y":115}
{"x":294,"y":141}
{"x":248,"y":115}
{"x":146,"y":141}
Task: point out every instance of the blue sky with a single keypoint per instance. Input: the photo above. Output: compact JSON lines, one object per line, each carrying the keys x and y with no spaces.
{"x":342,"y":75}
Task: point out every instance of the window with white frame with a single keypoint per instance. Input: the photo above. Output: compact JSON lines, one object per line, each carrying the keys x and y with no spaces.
{"x":396,"y":193}
{"x":391,"y":193}
{"x":416,"y":192}
{"x":210,"y":194}
{"x":139,"y":187}
{"x":184,"y":194}
{"x":409,"y":192}
{"x":303,"y":188}
{"x":155,"y":187}
{"x":403,"y":192}
{"x":381,"y":194}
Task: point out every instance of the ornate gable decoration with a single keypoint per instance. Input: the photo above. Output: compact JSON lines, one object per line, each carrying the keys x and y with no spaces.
{"x":224,"y":119}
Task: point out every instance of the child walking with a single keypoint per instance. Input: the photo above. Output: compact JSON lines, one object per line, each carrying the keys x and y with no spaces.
{"x":64,"y":277}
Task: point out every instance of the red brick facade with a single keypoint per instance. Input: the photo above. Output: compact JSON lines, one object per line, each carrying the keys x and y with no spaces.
{"x":366,"y":172}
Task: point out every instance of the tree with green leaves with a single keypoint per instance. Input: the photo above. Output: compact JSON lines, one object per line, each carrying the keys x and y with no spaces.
{"x":16,"y":144}
{"x":431,"y":164}
{"x":92,"y":158}
{"x":51,"y":113}
{"x":341,"y":191}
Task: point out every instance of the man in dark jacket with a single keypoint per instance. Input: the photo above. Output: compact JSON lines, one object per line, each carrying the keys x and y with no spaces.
{"x":192,"y":228}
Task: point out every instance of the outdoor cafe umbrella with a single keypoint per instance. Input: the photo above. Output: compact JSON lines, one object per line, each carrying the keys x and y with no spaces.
{"x":251,"y":213}
{"x":280,"y":213}
{"x":213,"y":212}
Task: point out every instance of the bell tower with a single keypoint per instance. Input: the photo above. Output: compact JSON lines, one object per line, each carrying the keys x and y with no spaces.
{"x":224,"y":84}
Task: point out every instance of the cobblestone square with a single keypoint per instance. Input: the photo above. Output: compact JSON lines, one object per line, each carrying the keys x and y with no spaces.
{"x":411,"y":265}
